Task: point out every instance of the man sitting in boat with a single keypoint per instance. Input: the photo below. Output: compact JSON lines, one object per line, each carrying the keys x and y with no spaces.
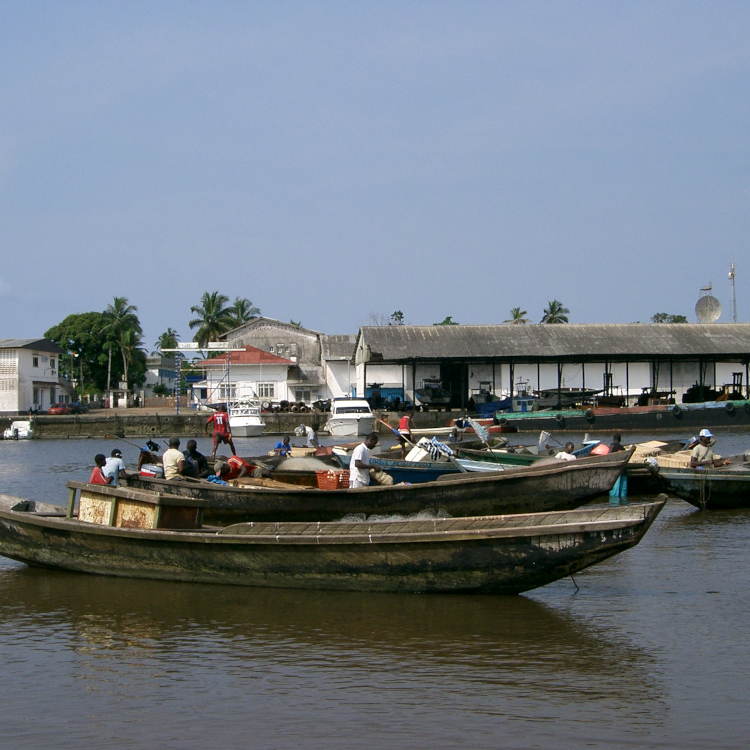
{"x":359,"y":466}
{"x":283,"y":448}
{"x":115,"y":467}
{"x":567,"y":454}
{"x":702,"y":456}
{"x":309,"y":433}
{"x":97,"y":475}
{"x":220,"y":420}
{"x":173,"y":460}
{"x":197,"y":466}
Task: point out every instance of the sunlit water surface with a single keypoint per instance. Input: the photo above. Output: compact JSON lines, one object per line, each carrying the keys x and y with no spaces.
{"x":650,"y":652}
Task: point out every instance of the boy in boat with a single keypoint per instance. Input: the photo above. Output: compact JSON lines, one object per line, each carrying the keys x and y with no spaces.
{"x":97,"y":475}
{"x":220,"y":419}
{"x":115,"y":467}
{"x":283,"y":448}
{"x":359,"y":466}
{"x":702,"y":455}
{"x":567,"y":454}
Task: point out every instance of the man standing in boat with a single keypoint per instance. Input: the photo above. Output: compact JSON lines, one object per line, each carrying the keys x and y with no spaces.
{"x":220,"y":419}
{"x":404,"y":425}
{"x":359,"y":466}
{"x":703,"y":456}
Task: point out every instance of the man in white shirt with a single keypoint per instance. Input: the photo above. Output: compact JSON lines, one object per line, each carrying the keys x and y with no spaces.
{"x":309,"y":432}
{"x":115,"y":467}
{"x":359,"y":466}
{"x":173,"y":460}
{"x":567,"y":454}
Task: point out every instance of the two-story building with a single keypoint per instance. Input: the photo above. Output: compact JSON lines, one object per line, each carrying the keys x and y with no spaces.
{"x":29,"y":375}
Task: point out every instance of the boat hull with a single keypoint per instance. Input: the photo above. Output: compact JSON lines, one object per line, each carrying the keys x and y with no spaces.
{"x":350,"y":427}
{"x":708,"y":489}
{"x":548,"y":487}
{"x":440,"y":555}
{"x":244,"y":428}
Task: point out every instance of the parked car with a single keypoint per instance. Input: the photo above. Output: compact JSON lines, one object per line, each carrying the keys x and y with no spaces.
{"x":59,"y":409}
{"x":76,"y":407}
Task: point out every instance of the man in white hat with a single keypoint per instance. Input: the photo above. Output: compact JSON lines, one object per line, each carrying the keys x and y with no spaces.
{"x":703,"y":456}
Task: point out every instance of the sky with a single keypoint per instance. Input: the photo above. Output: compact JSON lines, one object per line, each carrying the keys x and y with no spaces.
{"x":334,"y":162}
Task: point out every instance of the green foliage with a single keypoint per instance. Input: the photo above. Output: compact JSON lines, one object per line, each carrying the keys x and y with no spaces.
{"x":160,"y":390}
{"x":241,"y":311}
{"x":397,"y":318}
{"x":167,"y":340}
{"x":666,"y":318}
{"x":517,"y":316}
{"x":124,"y":326}
{"x":447,"y":322}
{"x":87,"y":335}
{"x":213,"y":319}
{"x":295,"y":323}
{"x":555,"y":312}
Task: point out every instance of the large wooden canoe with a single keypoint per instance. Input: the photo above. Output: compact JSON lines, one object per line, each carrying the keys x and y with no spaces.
{"x":709,"y":489}
{"x":492,"y":554}
{"x":558,"y":486}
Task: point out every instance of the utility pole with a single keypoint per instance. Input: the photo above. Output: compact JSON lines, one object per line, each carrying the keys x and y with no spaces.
{"x":734,"y":293}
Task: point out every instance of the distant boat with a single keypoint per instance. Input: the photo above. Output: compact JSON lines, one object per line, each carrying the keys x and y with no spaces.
{"x":19,"y":430}
{"x":245,"y":418}
{"x":490,"y":554}
{"x":432,"y":395}
{"x":350,"y":417}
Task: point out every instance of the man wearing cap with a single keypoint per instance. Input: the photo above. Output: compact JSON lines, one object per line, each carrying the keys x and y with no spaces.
{"x":115,"y":467}
{"x":703,"y":456}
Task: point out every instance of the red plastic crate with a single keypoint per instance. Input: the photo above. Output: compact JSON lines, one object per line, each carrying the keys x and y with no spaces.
{"x":332,"y":480}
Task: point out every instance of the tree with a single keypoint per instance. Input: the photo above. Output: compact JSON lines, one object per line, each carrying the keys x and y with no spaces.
{"x":132,"y":353}
{"x":85,"y":335}
{"x":447,"y":322}
{"x":241,"y":311}
{"x":168,"y":340}
{"x":665,"y":318}
{"x":555,"y":312}
{"x":214,"y":318}
{"x":121,"y":317}
{"x":397,"y":318}
{"x":296,"y":323}
{"x":517,"y":316}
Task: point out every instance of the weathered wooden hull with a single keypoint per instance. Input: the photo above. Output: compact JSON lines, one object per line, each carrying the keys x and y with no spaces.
{"x":502,"y":555}
{"x":407,"y":471}
{"x":533,"y":489}
{"x":708,"y":489}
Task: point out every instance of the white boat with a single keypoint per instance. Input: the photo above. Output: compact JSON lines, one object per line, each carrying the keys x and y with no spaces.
{"x":19,"y":430}
{"x":350,"y":416}
{"x":244,"y":418}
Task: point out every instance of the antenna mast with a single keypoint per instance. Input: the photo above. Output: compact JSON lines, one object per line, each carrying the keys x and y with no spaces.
{"x":734,"y":293}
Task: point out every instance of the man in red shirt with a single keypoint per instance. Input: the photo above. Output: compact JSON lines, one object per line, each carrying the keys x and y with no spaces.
{"x":220,"y":418}
{"x":238,"y":468}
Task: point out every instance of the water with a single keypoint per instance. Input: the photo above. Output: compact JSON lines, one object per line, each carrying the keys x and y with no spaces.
{"x":651,"y":652}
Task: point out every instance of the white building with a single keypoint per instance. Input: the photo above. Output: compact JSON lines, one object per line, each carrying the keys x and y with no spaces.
{"x":248,"y":374}
{"x":29,"y":375}
{"x":160,"y":370}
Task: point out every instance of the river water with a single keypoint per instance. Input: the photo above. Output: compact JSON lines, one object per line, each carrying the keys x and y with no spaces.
{"x":652,"y":651}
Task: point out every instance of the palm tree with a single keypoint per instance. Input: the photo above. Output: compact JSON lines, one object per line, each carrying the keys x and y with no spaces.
{"x":241,"y":311}
{"x":517,"y":316}
{"x":214,"y":317}
{"x":130,"y":343}
{"x":168,"y":340}
{"x":121,"y":316}
{"x":555,"y":312}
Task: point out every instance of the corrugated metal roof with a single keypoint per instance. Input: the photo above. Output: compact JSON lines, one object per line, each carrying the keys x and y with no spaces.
{"x":41,"y":345}
{"x":338,"y":347}
{"x":536,"y":341}
{"x":250,"y":356}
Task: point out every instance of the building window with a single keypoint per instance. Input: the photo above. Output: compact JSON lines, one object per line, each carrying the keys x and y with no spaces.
{"x":272,"y":349}
{"x":35,"y":361}
{"x":266,"y":390}
{"x":279,"y":349}
{"x":293,"y":350}
{"x":302,"y":394}
{"x":227,"y":391}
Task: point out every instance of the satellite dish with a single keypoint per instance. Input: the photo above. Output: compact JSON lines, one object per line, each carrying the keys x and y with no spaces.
{"x":708,"y":309}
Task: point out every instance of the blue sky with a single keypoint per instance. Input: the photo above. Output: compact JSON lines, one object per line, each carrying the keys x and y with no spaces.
{"x":338,"y":161}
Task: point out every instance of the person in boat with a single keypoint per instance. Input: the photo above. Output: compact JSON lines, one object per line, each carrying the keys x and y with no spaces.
{"x":197,"y":465}
{"x":221,"y":471}
{"x":222,"y":433}
{"x":97,"y":475}
{"x":309,"y":433}
{"x":283,"y":447}
{"x":237,"y":468}
{"x":115,"y":467}
{"x":703,"y":456}
{"x":359,"y":466}
{"x":616,"y":445}
{"x":173,"y":460}
{"x":567,"y":454}
{"x":404,"y":425}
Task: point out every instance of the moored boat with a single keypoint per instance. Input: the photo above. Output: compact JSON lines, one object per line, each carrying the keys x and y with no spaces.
{"x":245,"y":418}
{"x":495,"y":554}
{"x":725,"y":488}
{"x":350,"y":417}
{"x":20,"y":429}
{"x":558,"y":485}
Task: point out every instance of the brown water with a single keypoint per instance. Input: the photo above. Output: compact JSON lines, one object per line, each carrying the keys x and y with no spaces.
{"x":651,"y":652}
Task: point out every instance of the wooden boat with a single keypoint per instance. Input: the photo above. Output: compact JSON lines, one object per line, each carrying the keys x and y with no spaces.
{"x":557,"y":486}
{"x":724,"y":488}
{"x":491,"y":554}
{"x":406,"y":471}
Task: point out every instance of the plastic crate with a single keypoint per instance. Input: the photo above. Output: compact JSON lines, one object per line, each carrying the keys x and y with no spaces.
{"x":332,"y":480}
